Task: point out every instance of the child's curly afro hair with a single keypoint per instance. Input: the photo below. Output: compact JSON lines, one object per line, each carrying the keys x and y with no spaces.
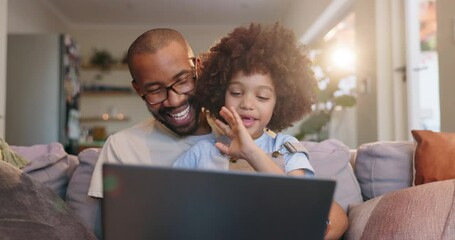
{"x":260,"y":49}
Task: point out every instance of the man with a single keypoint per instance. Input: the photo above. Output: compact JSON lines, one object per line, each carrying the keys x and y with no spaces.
{"x":163,"y":69}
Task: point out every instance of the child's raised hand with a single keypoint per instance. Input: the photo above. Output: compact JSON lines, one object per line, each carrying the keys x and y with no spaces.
{"x":242,"y":144}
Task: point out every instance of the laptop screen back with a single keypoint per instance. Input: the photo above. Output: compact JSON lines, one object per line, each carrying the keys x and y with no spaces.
{"x":163,"y":203}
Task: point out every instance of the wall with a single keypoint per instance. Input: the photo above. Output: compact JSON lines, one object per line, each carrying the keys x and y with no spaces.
{"x":22,"y":16}
{"x":294,"y":19}
{"x":117,"y":39}
{"x":446,"y":51}
{"x":33,"y":110}
{"x":33,"y":16}
{"x":365,"y":25}
{"x":3,"y":34}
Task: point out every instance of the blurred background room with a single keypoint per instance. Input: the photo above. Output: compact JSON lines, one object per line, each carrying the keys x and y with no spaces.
{"x":384,"y":67}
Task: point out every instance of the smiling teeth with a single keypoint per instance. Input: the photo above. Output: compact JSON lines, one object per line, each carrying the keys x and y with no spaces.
{"x":181,"y":115}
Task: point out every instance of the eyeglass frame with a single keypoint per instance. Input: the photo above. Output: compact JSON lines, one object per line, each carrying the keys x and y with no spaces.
{"x":171,"y":87}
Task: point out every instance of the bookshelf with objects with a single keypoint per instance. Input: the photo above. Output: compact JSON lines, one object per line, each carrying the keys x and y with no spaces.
{"x":108,"y":102}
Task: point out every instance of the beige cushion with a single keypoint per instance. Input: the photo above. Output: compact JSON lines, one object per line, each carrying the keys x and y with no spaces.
{"x":422,"y":212}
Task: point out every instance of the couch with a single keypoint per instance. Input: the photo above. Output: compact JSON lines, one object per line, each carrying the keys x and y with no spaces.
{"x":375,"y":185}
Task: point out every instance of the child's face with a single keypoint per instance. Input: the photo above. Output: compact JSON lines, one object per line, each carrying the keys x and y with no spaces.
{"x":254,"y":98}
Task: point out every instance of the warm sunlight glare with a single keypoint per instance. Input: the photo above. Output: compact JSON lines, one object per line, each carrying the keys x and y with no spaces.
{"x":343,"y":58}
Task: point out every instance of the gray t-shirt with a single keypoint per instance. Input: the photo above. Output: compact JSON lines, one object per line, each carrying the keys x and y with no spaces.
{"x":147,"y":143}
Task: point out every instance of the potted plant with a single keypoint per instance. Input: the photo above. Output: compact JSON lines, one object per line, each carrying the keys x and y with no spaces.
{"x":102,"y":59}
{"x":332,"y":95}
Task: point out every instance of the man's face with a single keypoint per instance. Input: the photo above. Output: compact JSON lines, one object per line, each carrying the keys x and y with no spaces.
{"x":160,"y":70}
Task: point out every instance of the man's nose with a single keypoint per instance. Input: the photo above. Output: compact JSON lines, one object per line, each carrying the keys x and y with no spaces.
{"x":173,"y":98}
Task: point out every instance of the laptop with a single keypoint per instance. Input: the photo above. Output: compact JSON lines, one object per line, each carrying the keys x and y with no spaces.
{"x":144,"y":202}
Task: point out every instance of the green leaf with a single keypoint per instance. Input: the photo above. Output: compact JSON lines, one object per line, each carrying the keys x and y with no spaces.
{"x":345,"y":101}
{"x":325,"y":95}
{"x":314,"y":122}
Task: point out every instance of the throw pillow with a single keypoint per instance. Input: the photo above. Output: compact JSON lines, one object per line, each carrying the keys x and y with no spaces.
{"x":434,"y":156}
{"x":421,"y":212}
{"x":49,"y":164}
{"x":382,"y":167}
{"x":330,"y":159}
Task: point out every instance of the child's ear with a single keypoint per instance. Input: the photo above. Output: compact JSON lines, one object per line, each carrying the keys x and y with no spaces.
{"x":198,"y":61}
{"x":199,"y":67}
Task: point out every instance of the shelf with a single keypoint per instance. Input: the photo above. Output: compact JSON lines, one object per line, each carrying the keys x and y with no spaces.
{"x":105,"y":92}
{"x":104,"y":118}
{"x":117,"y":66}
{"x":91,"y":144}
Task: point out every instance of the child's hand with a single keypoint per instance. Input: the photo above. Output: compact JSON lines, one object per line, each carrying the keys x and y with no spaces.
{"x":242,"y":145}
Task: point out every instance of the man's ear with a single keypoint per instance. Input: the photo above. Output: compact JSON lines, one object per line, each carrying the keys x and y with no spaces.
{"x":199,"y":67}
{"x":136,"y":87}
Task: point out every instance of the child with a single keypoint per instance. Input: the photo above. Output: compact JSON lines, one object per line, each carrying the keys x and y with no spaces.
{"x":254,"y":78}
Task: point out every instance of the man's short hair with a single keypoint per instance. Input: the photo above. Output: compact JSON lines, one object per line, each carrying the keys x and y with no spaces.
{"x":153,"y":40}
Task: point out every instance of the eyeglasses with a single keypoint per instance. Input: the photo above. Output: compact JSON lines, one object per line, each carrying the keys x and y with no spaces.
{"x":183,"y":85}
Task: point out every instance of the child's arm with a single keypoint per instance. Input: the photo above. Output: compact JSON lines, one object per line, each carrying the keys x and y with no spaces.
{"x":242,"y":145}
{"x":338,"y":222}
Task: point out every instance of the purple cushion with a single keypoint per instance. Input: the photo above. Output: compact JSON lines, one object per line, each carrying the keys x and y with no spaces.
{"x":383,"y":167}
{"x":49,"y":164}
{"x":87,"y":208}
{"x":330,"y":159}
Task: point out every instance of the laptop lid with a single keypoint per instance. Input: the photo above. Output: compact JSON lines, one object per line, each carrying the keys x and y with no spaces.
{"x":144,"y":202}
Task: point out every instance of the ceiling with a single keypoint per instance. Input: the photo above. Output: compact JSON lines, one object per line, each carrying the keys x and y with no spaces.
{"x":308,"y":18}
{"x":142,"y":12}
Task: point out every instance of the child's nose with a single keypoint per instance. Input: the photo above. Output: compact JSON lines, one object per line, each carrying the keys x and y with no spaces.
{"x":247,"y":102}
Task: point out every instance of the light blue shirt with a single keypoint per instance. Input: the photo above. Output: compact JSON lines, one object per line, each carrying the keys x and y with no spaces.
{"x":204,"y":155}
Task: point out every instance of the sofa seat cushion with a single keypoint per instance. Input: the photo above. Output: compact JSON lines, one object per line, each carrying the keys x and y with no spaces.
{"x":330,"y":159}
{"x":30,"y":210}
{"x":382,"y":167}
{"x":421,"y":212}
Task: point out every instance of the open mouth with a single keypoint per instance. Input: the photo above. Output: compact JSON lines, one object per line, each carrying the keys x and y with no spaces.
{"x":248,"y":121}
{"x":181,"y":118}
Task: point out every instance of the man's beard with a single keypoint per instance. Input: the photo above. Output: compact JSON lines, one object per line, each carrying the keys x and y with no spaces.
{"x":184,"y":130}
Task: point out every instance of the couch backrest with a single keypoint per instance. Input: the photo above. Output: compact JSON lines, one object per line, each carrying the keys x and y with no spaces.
{"x":330,"y":159}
